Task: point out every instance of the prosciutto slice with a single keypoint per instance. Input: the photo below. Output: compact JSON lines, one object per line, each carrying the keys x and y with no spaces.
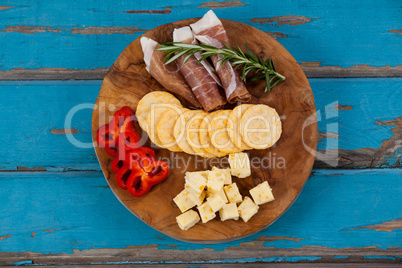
{"x":201,"y":77}
{"x":210,"y":31}
{"x":169,"y":76}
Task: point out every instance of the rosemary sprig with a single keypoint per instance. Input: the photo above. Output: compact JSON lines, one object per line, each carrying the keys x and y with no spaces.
{"x":249,"y":61}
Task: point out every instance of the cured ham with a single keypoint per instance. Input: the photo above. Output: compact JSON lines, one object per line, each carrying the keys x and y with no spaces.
{"x":201,"y":76}
{"x":169,"y":76}
{"x":210,"y":31}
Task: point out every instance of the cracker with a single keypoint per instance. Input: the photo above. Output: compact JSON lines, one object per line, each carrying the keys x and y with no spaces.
{"x":192,"y":134}
{"x":153,"y":118}
{"x":218,"y":133}
{"x":163,"y":130}
{"x":260,"y":126}
{"x":154,"y":97}
{"x":179,"y":131}
{"x":233,"y":126}
{"x":205,"y":140}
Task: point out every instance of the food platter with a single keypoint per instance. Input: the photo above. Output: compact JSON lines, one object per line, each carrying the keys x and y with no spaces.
{"x":286,"y":166}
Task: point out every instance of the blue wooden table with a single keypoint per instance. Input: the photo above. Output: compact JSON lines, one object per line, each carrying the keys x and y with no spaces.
{"x":56,"y":207}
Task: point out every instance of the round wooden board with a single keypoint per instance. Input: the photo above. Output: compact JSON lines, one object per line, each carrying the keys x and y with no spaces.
{"x":291,"y":159}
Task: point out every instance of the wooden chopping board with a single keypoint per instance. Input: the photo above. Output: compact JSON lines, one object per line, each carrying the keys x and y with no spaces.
{"x":287,"y":165}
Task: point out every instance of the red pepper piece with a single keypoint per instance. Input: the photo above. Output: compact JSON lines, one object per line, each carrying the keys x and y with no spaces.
{"x":122,"y":176}
{"x":122,"y":122}
{"x":106,"y":140}
{"x":118,"y":162}
{"x":145,"y":174}
{"x":127,"y":141}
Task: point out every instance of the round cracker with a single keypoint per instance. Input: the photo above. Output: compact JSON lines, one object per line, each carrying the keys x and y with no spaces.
{"x":233,"y":126}
{"x":179,"y":131}
{"x":218,"y":133}
{"x":204,"y":137}
{"x":154,"y":97}
{"x":192,"y":134}
{"x":165,"y":129}
{"x":260,"y":126}
{"x":153,"y":118}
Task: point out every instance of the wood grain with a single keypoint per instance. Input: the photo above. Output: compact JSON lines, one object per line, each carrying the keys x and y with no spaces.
{"x":330,"y":39}
{"x":88,"y":224}
{"x":127,"y":81}
{"x":311,"y":70}
{"x":355,"y":118}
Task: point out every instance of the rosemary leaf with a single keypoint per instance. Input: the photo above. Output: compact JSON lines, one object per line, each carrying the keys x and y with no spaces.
{"x":263,"y":68}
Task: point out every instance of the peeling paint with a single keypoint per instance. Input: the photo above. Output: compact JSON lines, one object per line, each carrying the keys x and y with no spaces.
{"x":282,"y":20}
{"x":313,"y":69}
{"x":343,"y":107}
{"x":396,"y":31}
{"x":326,"y":135}
{"x":23,"y":263}
{"x":31,"y":169}
{"x":276,"y":35}
{"x":150,"y":254}
{"x":167,"y":10}
{"x":67,"y":131}
{"x":387,"y":226}
{"x":29,"y":29}
{"x":107,"y":30}
{"x":367,"y":157}
{"x":276,"y":238}
{"x":6,"y":7}
{"x":51,"y":230}
{"x":52,"y":74}
{"x":224,"y":4}
{"x":5,"y":236}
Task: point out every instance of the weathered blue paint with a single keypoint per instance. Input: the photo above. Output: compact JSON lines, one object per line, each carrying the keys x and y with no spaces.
{"x":58,"y":212}
{"x":26,"y":262}
{"x":343,"y":33}
{"x":32,"y":108}
{"x":380,"y":257}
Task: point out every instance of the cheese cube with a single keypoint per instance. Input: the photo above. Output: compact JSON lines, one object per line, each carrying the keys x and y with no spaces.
{"x":216,"y":202}
{"x":262,"y":193}
{"x":187,"y":219}
{"x":247,"y":209}
{"x":233,"y":194}
{"x":221,"y":193}
{"x":196,"y":182}
{"x":215,"y":181}
{"x":206,"y":212}
{"x":197,"y":199}
{"x":229,"y":212}
{"x":184,"y":201}
{"x":226,"y":173}
{"x":239,"y":165}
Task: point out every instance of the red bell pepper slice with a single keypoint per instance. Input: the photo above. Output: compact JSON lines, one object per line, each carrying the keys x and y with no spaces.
{"x":118,"y":162}
{"x":127,"y":141}
{"x":106,"y":140}
{"x":122,"y":122}
{"x":145,"y":174}
{"x":122,"y":176}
